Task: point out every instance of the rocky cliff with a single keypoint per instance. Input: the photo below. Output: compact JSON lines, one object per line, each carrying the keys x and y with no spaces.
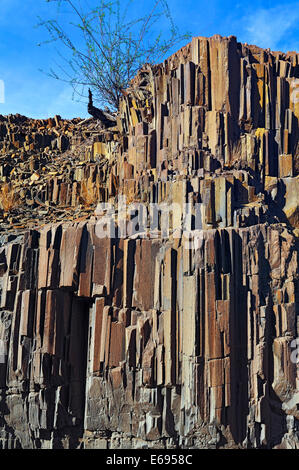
{"x":118,"y":333}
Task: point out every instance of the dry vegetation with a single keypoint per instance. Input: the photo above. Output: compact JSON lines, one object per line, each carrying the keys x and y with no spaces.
{"x":9,"y":199}
{"x":88,"y":196}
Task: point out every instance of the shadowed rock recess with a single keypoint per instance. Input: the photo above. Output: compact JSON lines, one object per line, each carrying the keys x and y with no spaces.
{"x":142,"y":342}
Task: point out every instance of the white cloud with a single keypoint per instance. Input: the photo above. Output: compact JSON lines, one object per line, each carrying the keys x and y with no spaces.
{"x":38,"y":96}
{"x":65,"y":106}
{"x":267,"y":27}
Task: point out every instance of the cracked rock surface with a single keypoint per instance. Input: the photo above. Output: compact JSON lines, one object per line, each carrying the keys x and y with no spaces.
{"x":177,"y":341}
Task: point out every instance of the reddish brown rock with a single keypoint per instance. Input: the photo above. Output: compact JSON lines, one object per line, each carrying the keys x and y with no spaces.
{"x":156,"y":339}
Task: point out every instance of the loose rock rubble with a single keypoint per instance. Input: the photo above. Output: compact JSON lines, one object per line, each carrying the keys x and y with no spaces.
{"x":46,"y":173}
{"x":143,"y":342}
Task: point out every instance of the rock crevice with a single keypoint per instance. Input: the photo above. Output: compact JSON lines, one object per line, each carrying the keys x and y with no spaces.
{"x":147,"y":340}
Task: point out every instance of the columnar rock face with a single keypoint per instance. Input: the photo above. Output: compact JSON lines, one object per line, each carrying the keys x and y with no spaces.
{"x":154,"y":340}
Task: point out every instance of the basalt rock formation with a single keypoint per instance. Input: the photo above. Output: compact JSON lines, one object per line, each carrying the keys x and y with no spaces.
{"x":147,"y":340}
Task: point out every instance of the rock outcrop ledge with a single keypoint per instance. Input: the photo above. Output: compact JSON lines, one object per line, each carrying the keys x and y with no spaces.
{"x":145,"y":340}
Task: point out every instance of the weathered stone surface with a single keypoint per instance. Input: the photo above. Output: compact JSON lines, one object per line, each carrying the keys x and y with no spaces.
{"x":213,"y":350}
{"x":183,"y":339}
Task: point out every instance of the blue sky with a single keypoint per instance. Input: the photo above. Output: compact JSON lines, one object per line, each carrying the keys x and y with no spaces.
{"x":268,"y":23}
